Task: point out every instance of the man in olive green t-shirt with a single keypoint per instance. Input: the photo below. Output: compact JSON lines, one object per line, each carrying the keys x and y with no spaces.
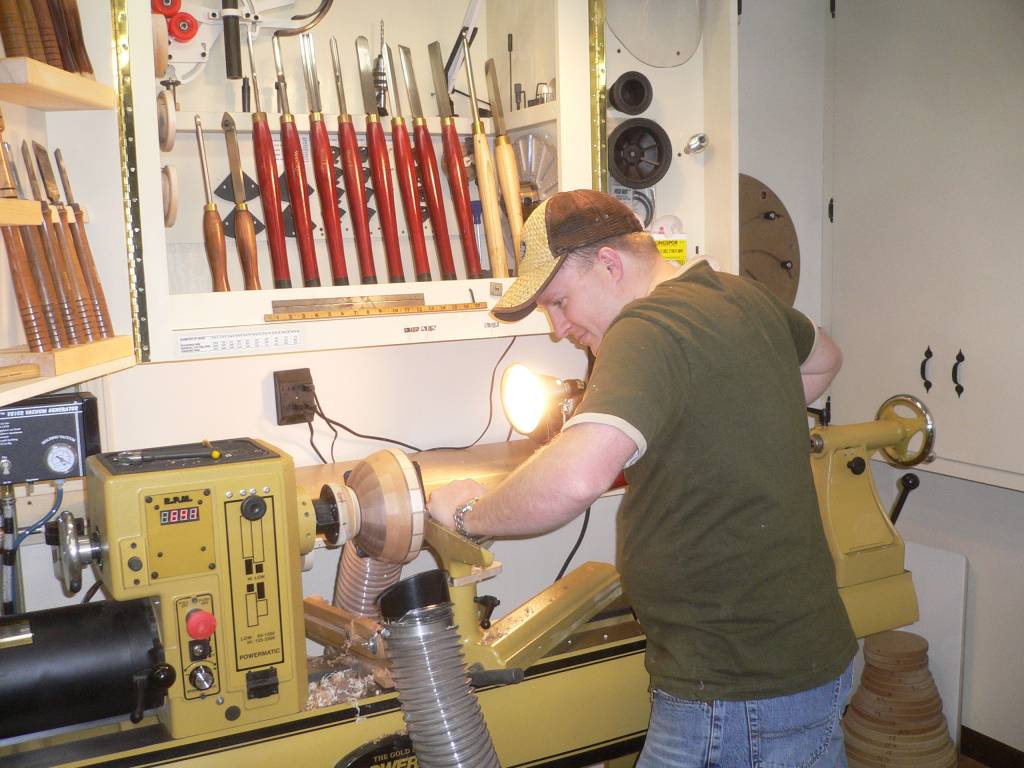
{"x":698,"y":392}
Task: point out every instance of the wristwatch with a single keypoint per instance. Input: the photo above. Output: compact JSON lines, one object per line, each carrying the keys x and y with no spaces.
{"x":459,"y":518}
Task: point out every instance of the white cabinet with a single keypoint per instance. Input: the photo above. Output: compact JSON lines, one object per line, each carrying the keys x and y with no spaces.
{"x":927,"y":236}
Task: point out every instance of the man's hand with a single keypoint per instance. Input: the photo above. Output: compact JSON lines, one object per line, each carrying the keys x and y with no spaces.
{"x":443,"y":501}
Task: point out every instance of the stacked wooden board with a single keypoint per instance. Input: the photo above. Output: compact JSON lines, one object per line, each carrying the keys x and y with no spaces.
{"x":895,"y":717}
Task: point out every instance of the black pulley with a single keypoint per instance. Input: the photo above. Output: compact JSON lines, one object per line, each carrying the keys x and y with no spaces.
{"x":639,"y":153}
{"x":631,"y":93}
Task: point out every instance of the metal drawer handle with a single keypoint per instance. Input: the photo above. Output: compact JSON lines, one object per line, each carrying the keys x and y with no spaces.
{"x":956,"y":373}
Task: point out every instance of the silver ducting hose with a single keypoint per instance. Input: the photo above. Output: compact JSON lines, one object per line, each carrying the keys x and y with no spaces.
{"x":360,"y":581}
{"x":441,"y":711}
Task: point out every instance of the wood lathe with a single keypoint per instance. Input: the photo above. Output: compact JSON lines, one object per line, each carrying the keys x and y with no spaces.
{"x":198,"y":654}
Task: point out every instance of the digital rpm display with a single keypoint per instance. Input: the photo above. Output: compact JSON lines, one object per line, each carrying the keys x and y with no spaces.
{"x":179,"y":515}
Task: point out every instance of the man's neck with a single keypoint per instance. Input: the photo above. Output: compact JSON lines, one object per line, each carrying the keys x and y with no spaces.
{"x":664,"y":270}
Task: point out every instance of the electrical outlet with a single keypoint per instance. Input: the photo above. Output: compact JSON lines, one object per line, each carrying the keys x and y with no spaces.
{"x":293,"y":396}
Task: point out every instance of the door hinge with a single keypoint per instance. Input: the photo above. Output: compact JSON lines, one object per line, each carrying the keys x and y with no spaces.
{"x":831,"y":209}
{"x":739,"y":7}
{"x":832,"y":7}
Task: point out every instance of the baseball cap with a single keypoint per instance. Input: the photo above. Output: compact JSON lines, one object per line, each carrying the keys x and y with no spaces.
{"x":565,"y":222}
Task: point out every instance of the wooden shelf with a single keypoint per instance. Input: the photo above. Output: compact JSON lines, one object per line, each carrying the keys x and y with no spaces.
{"x":15,"y":213}
{"x":34,"y":84}
{"x":65,"y":367}
{"x":531,"y":116}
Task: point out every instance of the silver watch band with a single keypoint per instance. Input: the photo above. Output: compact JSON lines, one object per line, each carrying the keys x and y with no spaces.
{"x":459,"y":517}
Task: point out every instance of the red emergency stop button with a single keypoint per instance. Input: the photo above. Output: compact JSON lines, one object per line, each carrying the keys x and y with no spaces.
{"x":200,"y":624}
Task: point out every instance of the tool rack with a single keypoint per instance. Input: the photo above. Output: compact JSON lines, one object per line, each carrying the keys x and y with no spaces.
{"x":52,"y":98}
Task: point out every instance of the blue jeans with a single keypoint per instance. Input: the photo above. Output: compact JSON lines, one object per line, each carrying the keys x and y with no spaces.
{"x":795,"y":731}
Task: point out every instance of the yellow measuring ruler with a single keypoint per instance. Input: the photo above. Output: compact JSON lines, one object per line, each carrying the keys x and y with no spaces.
{"x":413,"y":309}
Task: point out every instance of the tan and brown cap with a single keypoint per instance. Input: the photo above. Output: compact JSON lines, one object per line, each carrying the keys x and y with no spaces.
{"x":565,"y":222}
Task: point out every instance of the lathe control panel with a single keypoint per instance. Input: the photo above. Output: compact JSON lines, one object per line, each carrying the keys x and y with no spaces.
{"x":210,"y":532}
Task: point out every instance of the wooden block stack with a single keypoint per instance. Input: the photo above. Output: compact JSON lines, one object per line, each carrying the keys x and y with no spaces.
{"x":895,"y":717}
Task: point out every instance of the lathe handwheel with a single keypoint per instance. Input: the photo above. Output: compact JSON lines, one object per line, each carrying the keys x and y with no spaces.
{"x":901,"y":454}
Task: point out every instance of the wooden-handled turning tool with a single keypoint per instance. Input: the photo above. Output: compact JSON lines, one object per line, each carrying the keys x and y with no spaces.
{"x":380,"y":165}
{"x":505,"y":160}
{"x":39,"y":268}
{"x":245,"y":227}
{"x":485,"y":180}
{"x":85,"y":258}
{"x":25,"y":292}
{"x":82,"y":302}
{"x":406,"y":167}
{"x":295,"y":174}
{"x":428,"y":169}
{"x":352,"y":170}
{"x":56,"y":264}
{"x":455,"y":163}
{"x":323,"y":165}
{"x":213,"y":227}
{"x":266,"y":173}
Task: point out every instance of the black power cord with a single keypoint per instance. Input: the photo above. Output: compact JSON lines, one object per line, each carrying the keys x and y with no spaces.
{"x":319,"y":411}
{"x":576,"y":546}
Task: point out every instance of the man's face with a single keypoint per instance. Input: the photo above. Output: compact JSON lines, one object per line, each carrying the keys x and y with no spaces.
{"x":580,"y":303}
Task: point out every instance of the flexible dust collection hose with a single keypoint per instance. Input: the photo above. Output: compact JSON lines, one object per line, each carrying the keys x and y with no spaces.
{"x":361,"y":580}
{"x":441,"y":712}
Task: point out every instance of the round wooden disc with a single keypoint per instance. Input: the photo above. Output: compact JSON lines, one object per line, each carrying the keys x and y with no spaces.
{"x":888,"y":725}
{"x":881,"y":740}
{"x":166,"y":120}
{"x":391,"y":504}
{"x":169,"y":188}
{"x":922,"y":692}
{"x":869,"y":730}
{"x":897,"y":710}
{"x":895,"y":644}
{"x":161,"y":45}
{"x":867,"y":756}
{"x":896,"y":677}
{"x":769,"y":249}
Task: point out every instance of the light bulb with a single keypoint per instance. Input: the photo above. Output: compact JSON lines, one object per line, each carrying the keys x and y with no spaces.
{"x":524,"y":397}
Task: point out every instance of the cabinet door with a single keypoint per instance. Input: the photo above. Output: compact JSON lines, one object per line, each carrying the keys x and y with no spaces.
{"x":928,"y":101}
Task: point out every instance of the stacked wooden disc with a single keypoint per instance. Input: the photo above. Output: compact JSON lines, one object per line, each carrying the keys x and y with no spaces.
{"x":895,"y":717}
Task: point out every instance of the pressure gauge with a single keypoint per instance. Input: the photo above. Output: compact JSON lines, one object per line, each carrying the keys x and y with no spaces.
{"x":769,"y":251}
{"x":61,"y":458}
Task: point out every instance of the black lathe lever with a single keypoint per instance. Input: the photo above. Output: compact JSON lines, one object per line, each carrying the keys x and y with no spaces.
{"x":488,"y":603}
{"x":908,"y":482}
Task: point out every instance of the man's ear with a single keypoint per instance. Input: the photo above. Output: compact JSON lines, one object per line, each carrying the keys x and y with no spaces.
{"x":610,"y":259}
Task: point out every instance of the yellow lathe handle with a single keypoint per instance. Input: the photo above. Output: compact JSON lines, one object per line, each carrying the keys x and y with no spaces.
{"x":508,"y":178}
{"x":488,"y":187}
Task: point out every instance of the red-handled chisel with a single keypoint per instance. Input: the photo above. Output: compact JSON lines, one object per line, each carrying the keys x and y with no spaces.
{"x":266,"y":173}
{"x":406,"y":167}
{"x":458,"y":182}
{"x":380,"y":166}
{"x":295,"y":175}
{"x":352,"y":170}
{"x":323,"y":165}
{"x":428,"y":169}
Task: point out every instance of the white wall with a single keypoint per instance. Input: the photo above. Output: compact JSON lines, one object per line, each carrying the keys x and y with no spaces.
{"x":423,"y":394}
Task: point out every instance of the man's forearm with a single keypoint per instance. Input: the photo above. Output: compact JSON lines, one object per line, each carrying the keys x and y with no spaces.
{"x":552,"y":487}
